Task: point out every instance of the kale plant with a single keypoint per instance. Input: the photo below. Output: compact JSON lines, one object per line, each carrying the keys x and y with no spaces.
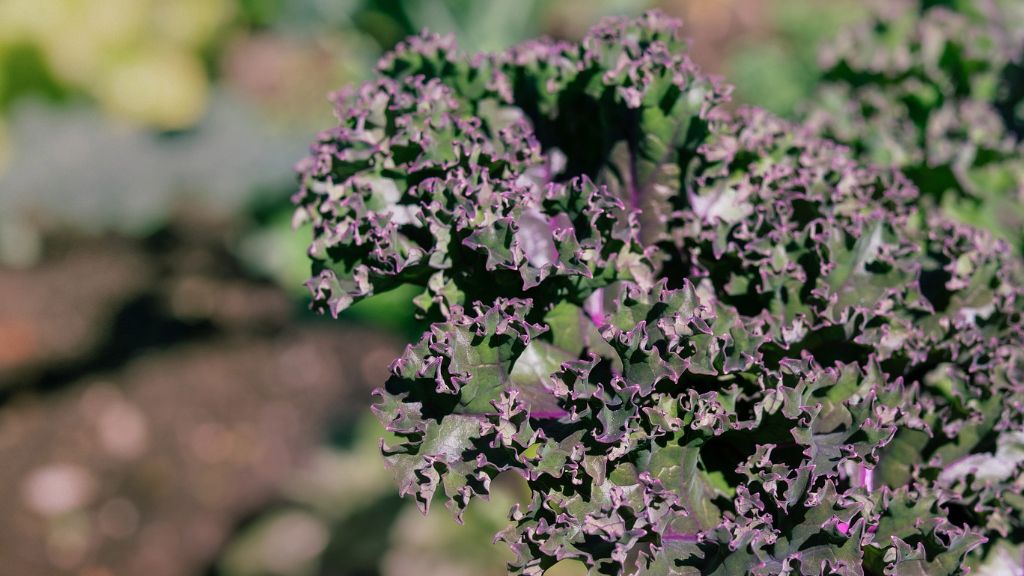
{"x":936,"y":88}
{"x":710,"y":342}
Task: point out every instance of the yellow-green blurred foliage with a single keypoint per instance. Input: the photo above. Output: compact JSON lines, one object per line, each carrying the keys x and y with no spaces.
{"x":141,"y":60}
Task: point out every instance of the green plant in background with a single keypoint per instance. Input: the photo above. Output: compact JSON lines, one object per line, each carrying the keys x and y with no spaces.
{"x":479,"y":25}
{"x":778,"y":68}
{"x":936,"y":89}
{"x":710,"y":343}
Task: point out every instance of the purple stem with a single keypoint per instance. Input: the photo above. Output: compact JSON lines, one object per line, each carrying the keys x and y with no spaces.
{"x":867,"y":477}
{"x":594,"y":307}
{"x":844,"y":528}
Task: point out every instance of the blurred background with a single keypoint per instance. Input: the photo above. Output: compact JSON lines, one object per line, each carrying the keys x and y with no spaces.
{"x":168,"y":406}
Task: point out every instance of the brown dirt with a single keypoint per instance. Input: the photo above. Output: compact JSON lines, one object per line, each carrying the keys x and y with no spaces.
{"x":153,"y":395}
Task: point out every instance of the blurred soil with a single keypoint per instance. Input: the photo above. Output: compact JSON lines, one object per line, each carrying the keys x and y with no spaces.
{"x":152,"y":395}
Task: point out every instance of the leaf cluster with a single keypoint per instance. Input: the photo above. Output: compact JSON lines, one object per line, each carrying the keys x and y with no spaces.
{"x":710,"y":342}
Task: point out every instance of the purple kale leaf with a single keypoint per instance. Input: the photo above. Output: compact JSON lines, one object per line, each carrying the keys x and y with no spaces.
{"x":710,"y":342}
